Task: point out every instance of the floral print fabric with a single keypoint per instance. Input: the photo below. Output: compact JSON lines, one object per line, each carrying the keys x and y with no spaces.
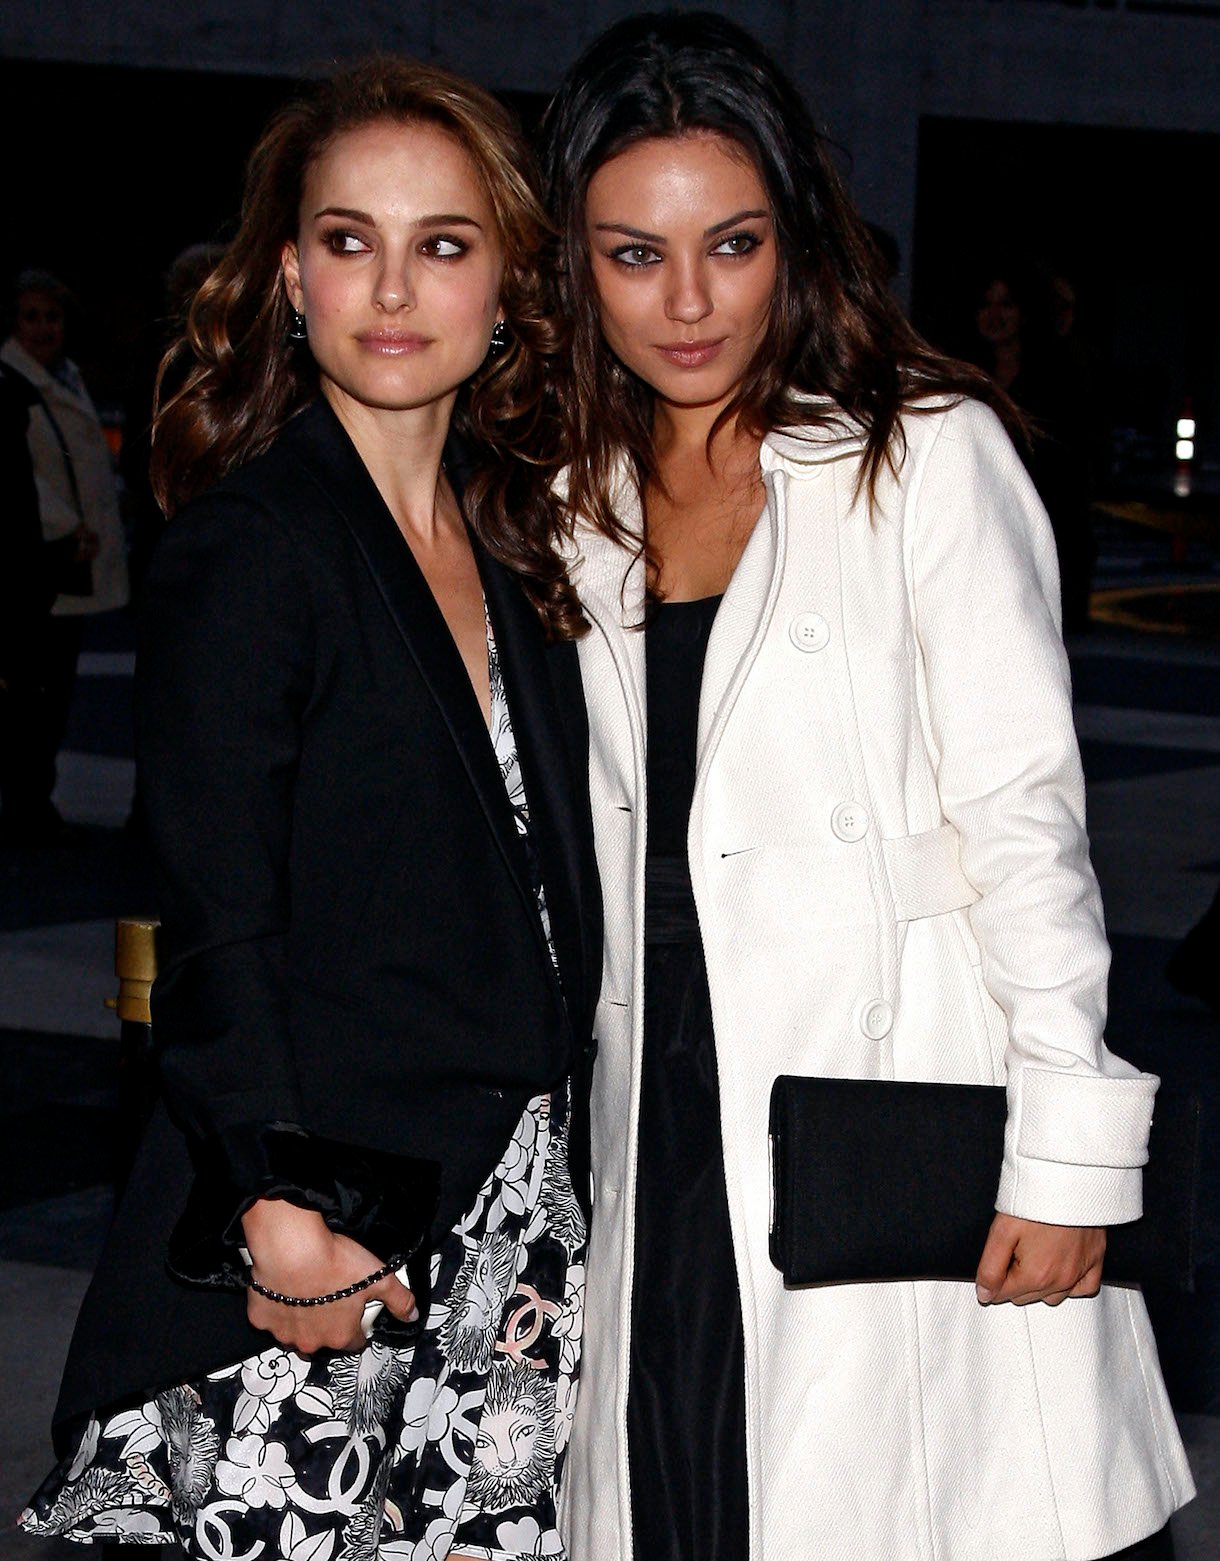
{"x":455,"y":1444}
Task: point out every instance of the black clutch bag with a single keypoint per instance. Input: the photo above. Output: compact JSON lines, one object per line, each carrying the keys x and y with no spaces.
{"x":876,"y":1179}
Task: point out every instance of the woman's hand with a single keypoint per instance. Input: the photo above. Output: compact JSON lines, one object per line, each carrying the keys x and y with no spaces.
{"x":1026,"y":1261}
{"x":295,"y":1253}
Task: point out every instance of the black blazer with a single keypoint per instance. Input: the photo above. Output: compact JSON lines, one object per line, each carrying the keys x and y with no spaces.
{"x":350,"y":940}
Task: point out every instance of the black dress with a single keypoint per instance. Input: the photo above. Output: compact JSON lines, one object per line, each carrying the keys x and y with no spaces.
{"x":686,"y":1406}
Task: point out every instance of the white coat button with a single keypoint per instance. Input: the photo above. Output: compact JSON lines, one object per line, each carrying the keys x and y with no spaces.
{"x":877,"y":1020}
{"x":810,"y":631}
{"x":849,"y":821}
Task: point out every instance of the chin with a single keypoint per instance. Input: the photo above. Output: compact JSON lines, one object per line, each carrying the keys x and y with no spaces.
{"x":690,"y":397}
{"x":691,"y":389}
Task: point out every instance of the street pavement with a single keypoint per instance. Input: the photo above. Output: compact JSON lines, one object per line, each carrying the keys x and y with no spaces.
{"x":1148,"y":716}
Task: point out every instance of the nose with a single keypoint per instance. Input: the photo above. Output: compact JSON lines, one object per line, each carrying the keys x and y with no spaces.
{"x":690,"y":298}
{"x":394,"y":290}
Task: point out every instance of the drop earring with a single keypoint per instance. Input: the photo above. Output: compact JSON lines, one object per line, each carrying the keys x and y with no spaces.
{"x":499,"y":339}
{"x":296,"y":327}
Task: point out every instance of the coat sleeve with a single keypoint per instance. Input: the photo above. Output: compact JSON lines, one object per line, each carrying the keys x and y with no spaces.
{"x":997,"y":714}
{"x":224,"y":671}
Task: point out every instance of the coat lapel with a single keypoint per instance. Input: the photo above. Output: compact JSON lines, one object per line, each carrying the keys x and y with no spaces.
{"x":742,"y":619}
{"x":330,"y":459}
{"x":613,"y":593}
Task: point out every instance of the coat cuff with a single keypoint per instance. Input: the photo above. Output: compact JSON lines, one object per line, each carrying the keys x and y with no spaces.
{"x":386,"y":1202}
{"x":1074,"y":1147}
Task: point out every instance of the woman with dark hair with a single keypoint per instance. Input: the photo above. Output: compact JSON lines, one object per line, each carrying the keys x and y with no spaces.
{"x":339,"y":1308}
{"x":839,"y":819}
{"x":1010,"y":334}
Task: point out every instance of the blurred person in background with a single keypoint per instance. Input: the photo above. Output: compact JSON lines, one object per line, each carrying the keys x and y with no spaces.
{"x":1013,"y":334}
{"x":77,"y":498}
{"x":26,"y":592}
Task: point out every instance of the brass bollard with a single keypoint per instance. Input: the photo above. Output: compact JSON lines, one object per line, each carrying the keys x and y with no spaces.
{"x":135,"y":964}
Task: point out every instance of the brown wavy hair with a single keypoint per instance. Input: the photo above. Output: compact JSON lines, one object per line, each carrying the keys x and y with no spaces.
{"x":835,"y":330}
{"x":233,"y":379}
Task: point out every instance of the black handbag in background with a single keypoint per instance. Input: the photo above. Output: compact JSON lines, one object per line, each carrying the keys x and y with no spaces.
{"x":878,"y":1179}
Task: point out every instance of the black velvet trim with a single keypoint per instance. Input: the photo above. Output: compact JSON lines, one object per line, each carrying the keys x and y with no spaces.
{"x":386,"y":1202}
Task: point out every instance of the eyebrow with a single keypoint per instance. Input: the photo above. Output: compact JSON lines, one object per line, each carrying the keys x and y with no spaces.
{"x":449,"y":219}
{"x":657,"y":238}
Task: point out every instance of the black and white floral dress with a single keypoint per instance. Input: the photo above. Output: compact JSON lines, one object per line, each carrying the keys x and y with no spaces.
{"x":454,"y":1444}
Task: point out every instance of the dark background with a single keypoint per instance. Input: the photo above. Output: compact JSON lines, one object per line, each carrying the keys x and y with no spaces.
{"x":1126,"y":215}
{"x":135,"y":164}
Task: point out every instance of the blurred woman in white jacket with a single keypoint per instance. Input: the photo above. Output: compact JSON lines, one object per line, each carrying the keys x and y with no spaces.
{"x":840,"y":820}
{"x":77,"y":499}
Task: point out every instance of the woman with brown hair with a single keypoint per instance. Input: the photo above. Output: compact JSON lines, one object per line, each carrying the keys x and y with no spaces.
{"x":840,"y":824}
{"x":339,"y":1309}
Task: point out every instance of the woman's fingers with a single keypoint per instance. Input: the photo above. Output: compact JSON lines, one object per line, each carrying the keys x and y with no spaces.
{"x":996,"y":1259}
{"x":309,"y":1328}
{"x":1025,"y":1261}
{"x":396,"y":1298}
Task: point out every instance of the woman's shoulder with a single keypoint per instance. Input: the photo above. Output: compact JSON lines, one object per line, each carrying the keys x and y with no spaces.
{"x":18,"y":359}
{"x":830,"y":431}
{"x":276,"y":490}
{"x":963,"y":436}
{"x":272,"y":478}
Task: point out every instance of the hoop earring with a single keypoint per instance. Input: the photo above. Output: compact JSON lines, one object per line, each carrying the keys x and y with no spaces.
{"x":500,"y":339}
{"x":296,"y":327}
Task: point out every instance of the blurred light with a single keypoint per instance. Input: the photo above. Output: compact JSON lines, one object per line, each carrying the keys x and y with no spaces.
{"x":1185,"y":450}
{"x":1186,"y":428}
{"x":1181,"y":483}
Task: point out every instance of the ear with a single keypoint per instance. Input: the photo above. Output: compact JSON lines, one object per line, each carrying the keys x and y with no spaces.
{"x":290,"y":270}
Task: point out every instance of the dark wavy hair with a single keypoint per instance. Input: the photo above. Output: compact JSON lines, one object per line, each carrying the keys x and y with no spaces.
{"x":835,"y":330}
{"x":233,"y":379}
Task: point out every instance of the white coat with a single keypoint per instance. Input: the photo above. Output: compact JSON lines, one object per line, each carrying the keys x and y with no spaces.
{"x":891,"y":872}
{"x":93,"y":466}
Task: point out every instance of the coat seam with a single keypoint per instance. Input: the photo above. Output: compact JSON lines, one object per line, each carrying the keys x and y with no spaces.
{"x":916,"y":1393}
{"x":1045,"y":1438}
{"x":1152,"y":1414}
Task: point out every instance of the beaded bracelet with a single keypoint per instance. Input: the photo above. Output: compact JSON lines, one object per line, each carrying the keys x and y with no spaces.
{"x":324,"y":1300}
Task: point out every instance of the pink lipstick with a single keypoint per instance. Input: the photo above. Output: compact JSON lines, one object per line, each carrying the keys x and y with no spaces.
{"x":392,"y":344}
{"x":690,"y":354}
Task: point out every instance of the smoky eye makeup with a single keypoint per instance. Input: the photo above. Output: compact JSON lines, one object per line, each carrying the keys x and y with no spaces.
{"x":445,"y":246}
{"x":342,"y":241}
{"x":744,"y":242}
{"x":633,"y":255}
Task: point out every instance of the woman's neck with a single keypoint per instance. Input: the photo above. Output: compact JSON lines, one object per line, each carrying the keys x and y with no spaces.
{"x":686,"y":449}
{"x":402,"y":451}
{"x":703,"y":505}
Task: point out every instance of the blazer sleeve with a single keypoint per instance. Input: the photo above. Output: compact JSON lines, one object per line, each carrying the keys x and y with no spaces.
{"x":997,"y":714}
{"x":224,"y":673}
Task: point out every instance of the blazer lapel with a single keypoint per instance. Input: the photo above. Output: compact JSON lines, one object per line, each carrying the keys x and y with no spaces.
{"x":549,"y":769}
{"x":332,"y":462}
